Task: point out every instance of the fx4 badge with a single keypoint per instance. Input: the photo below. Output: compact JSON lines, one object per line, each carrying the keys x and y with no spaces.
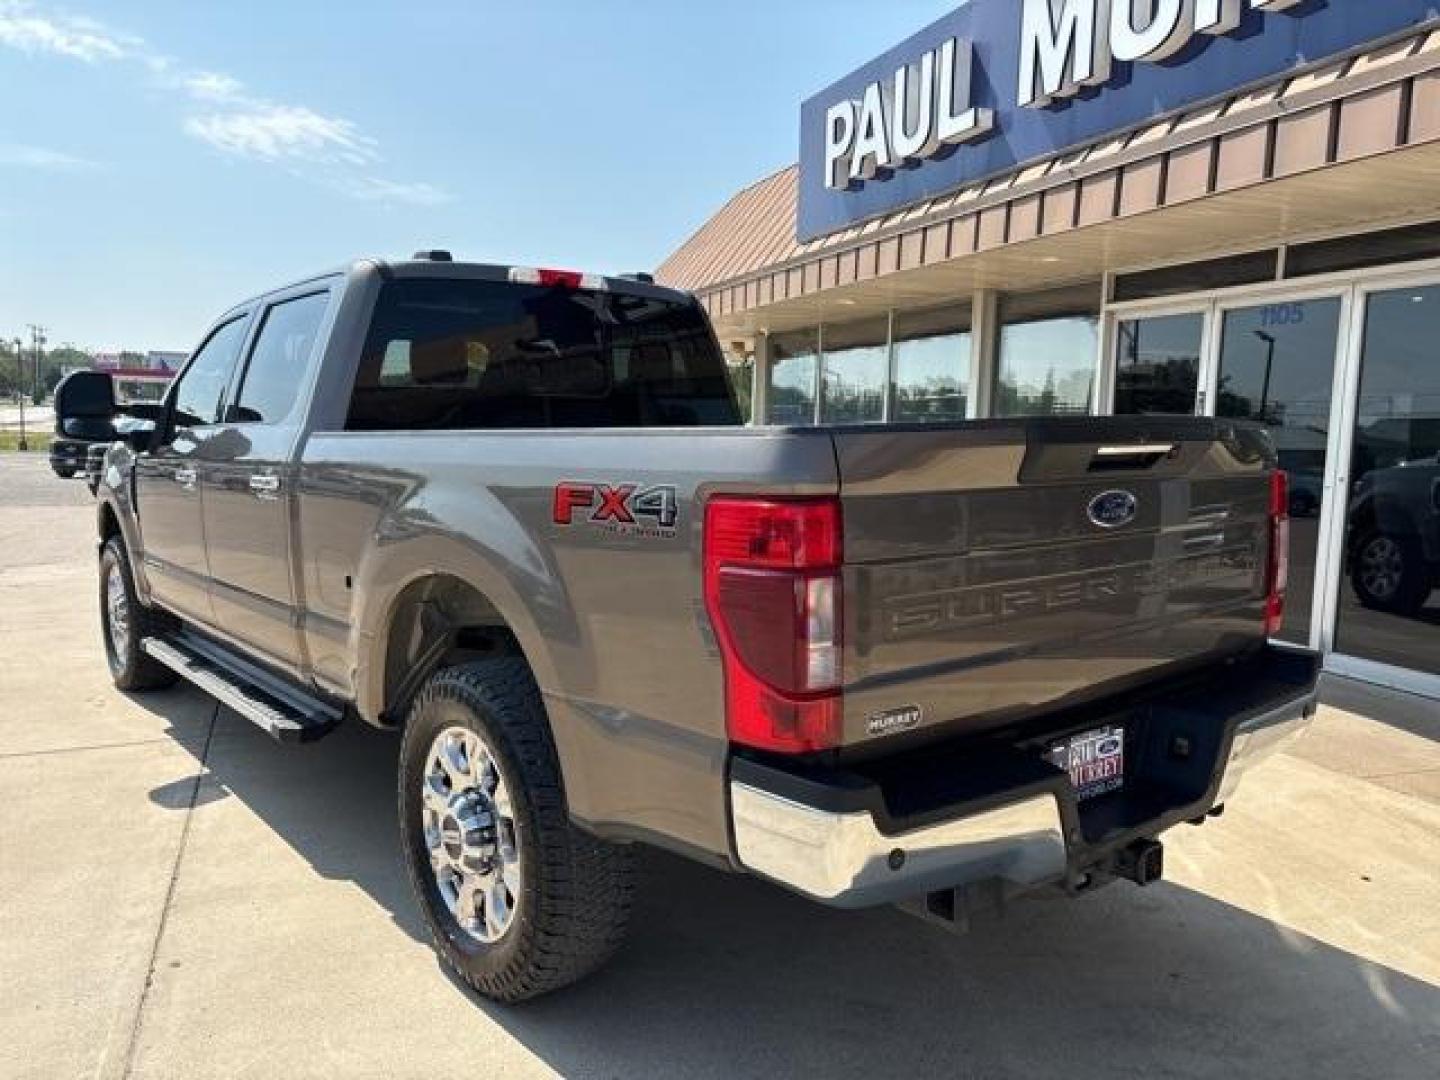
{"x":628,"y":509}
{"x":893,"y":721}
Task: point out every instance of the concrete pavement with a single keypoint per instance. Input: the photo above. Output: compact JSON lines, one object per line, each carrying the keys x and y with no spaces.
{"x":181,"y":897}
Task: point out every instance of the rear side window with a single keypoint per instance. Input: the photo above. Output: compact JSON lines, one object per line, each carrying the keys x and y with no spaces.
{"x":279,"y":359}
{"x":199,"y":389}
{"x":448,"y":355}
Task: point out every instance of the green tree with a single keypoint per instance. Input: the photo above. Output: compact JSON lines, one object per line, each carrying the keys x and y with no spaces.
{"x":60,"y":360}
{"x":9,"y":371}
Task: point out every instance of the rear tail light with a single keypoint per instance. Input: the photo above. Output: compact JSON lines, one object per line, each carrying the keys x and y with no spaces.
{"x":773,"y":592}
{"x":1277,"y":567}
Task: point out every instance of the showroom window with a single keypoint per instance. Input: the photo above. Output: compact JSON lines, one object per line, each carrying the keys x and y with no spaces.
{"x":793,"y":358}
{"x":740,"y":371}
{"x":857,"y":363}
{"x":932,"y":365}
{"x":1048,"y":347}
{"x":1389,"y":606}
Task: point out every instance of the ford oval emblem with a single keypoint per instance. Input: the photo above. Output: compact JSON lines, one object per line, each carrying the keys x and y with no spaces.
{"x":1112,"y":509}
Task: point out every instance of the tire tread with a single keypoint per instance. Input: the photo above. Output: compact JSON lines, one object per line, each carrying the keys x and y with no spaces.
{"x":139,"y":671}
{"x":587,"y":883}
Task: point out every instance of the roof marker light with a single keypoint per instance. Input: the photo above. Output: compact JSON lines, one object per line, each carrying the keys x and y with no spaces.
{"x":560,"y":279}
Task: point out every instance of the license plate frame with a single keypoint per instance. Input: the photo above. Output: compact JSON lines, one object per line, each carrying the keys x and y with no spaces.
{"x":1094,"y":760}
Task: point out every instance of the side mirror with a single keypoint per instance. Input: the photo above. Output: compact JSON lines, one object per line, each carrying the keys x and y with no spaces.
{"x":85,"y":396}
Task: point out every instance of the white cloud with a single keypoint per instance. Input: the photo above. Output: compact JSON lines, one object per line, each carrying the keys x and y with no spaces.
{"x":41,"y":157}
{"x":378,"y":189}
{"x":324,"y":149}
{"x":75,"y":37}
{"x":213,"y":86}
{"x":276,"y":132}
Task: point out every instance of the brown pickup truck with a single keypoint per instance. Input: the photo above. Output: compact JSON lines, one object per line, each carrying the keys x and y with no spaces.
{"x":513,"y":515}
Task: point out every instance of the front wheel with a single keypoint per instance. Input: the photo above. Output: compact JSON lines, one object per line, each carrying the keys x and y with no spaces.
{"x":518,"y":900}
{"x":125,"y":623}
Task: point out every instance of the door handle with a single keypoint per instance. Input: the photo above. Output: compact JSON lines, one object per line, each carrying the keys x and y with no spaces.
{"x":185,"y":477}
{"x":265,"y":485}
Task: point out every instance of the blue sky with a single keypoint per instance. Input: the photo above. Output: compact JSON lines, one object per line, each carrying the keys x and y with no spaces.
{"x":161,"y":160}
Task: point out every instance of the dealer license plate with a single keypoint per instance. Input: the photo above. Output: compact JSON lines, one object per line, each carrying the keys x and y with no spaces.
{"x":1095,"y":761}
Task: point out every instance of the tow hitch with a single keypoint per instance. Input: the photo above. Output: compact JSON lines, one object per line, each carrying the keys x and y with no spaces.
{"x":1142,"y":862}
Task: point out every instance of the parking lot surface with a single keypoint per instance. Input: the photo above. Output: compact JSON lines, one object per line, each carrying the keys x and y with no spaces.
{"x":182,"y":897}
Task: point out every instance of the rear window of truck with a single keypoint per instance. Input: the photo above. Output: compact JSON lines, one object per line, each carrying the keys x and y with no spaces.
{"x":454,"y":354}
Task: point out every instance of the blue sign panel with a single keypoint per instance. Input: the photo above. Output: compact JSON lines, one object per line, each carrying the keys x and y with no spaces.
{"x":999,"y":83}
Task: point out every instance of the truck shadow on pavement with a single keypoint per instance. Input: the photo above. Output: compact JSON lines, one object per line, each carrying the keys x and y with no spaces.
{"x":727,"y":976}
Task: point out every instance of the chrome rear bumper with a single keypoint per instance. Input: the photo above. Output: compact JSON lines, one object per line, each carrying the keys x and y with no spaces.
{"x":842,"y":857}
{"x":1262,"y":736}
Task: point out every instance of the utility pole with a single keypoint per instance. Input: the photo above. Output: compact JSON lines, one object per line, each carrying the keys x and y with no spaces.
{"x":37,"y":343}
{"x":24,"y":444}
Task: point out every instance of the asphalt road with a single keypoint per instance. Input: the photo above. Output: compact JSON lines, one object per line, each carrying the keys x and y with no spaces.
{"x":181,"y":897}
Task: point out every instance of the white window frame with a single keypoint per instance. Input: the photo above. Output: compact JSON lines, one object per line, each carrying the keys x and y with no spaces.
{"x":1352,"y":288}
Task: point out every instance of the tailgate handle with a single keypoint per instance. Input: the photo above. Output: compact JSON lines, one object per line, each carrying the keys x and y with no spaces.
{"x":1138,"y":456}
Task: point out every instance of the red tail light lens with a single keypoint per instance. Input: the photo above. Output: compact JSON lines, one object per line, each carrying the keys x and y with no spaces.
{"x":772,"y":589}
{"x":1277,"y":567}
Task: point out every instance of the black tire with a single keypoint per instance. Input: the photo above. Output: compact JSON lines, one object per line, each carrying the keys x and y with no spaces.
{"x":1404,"y":583}
{"x":65,"y":472}
{"x":130,"y":667}
{"x":576,"y":890}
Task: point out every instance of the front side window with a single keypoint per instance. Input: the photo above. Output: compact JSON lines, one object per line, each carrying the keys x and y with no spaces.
{"x":279,"y":360}
{"x":199,"y":390}
{"x":448,"y":355}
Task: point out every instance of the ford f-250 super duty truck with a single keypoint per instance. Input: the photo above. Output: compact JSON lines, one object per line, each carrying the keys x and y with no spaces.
{"x":513,"y":514}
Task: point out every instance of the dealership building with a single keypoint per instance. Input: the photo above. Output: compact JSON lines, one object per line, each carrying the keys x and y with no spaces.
{"x":1219,"y":207}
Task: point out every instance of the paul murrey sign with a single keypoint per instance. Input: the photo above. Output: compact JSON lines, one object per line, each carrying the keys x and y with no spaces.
{"x":1065,"y":47}
{"x":905,"y":119}
{"x":998,"y":84}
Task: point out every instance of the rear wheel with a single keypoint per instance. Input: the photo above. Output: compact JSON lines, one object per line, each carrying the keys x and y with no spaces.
{"x":65,"y":472}
{"x":518,"y":900}
{"x":125,"y":623}
{"x":1389,"y":573}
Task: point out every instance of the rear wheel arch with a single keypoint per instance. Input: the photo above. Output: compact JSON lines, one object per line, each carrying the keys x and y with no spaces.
{"x":111,"y":522}
{"x":436,"y":620}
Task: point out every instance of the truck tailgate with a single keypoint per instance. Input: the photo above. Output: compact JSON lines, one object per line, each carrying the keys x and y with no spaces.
{"x":997,"y":570}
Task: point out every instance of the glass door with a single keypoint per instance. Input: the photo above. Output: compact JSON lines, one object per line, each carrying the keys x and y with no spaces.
{"x":1157,"y":363}
{"x":1387,"y":606}
{"x":1276,"y":365}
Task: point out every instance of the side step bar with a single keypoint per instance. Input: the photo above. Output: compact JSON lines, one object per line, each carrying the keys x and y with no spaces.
{"x":284,"y":713}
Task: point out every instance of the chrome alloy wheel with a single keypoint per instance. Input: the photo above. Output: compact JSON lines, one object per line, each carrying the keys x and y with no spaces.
{"x":469,"y":826}
{"x":117,"y":611}
{"x":1382,"y":565}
